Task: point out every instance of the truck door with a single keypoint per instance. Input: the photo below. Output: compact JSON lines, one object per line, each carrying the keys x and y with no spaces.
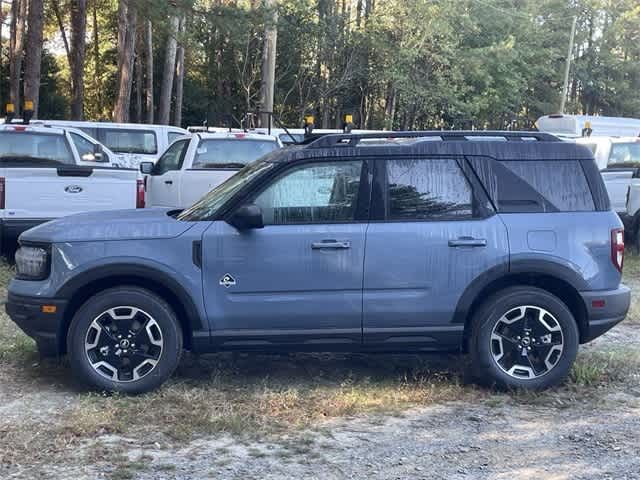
{"x":163,"y":184}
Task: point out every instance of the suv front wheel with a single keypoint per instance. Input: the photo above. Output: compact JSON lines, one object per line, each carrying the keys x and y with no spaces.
{"x":125,"y":339}
{"x":523,"y":337}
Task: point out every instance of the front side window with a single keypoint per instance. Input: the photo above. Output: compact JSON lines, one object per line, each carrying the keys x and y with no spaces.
{"x":312,"y":193}
{"x":173,"y":136}
{"x":85,"y":148}
{"x":171,"y":159}
{"x":209,"y":205}
{"x":34,"y":148}
{"x":120,"y":140}
{"x":427,"y":189}
{"x":230,"y":153}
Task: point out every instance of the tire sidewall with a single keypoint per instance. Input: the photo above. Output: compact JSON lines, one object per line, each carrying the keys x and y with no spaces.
{"x":133,"y":297}
{"x":492,"y":311}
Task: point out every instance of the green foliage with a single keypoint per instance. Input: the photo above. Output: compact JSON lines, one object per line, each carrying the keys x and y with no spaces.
{"x":394,"y":63}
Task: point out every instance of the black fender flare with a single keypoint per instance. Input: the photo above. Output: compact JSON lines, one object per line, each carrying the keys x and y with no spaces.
{"x":104,"y":272}
{"x":516,"y":268}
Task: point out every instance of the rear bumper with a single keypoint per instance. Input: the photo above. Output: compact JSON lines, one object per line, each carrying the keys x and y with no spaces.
{"x":605,"y":309}
{"x":44,"y":328}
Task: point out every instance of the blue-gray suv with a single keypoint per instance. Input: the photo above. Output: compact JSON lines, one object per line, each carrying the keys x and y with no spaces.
{"x":498,"y":244}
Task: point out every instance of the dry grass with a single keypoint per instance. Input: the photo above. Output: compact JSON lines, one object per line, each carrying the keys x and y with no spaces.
{"x":257,"y":395}
{"x":632,"y":279}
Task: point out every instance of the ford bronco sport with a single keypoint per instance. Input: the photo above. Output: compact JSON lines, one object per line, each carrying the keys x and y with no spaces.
{"x":499,"y":244}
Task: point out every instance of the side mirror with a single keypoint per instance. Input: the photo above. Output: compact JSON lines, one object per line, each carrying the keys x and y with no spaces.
{"x":146,"y":167}
{"x":247,"y":217}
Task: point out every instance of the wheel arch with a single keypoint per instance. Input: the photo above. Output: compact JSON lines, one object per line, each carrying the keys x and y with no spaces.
{"x":80,"y":288}
{"x":554,"y":281}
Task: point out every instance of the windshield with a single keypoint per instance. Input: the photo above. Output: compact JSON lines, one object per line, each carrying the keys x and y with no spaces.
{"x":120,"y":140}
{"x":33,"y":147}
{"x":208,"y":205}
{"x":625,"y":153}
{"x":230,"y":153}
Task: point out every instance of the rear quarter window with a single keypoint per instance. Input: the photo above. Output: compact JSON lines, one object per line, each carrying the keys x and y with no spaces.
{"x":535,"y":185}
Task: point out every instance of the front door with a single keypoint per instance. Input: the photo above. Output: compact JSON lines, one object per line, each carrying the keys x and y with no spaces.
{"x":298,"y":280}
{"x":163,"y":186}
{"x":431,"y":235}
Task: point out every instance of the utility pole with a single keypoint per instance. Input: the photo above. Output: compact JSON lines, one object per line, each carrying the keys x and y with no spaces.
{"x":268,"y":63}
{"x":565,"y":87}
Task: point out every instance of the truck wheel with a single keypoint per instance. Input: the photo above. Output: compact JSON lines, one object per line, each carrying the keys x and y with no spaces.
{"x":125,"y":339}
{"x":523,"y":338}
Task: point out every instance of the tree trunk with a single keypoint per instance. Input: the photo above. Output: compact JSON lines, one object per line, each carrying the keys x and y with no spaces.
{"x":33,"y":59}
{"x":177,"y":115}
{"x":127,"y":37}
{"x":267,"y":85}
{"x":76,"y":57}
{"x":97,"y":65}
{"x":16,"y":50}
{"x":149,"y":78}
{"x":168,"y":72}
{"x":138,"y":71}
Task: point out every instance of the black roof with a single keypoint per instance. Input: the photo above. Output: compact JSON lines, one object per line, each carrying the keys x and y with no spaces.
{"x":495,"y":144}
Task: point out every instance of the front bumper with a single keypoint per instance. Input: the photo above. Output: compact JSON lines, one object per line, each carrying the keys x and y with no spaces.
{"x":605,"y":309}
{"x":45,"y":328}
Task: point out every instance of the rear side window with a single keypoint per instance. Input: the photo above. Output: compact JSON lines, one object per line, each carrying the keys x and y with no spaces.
{"x":121,"y":140}
{"x":535,"y":186}
{"x":429,"y":189}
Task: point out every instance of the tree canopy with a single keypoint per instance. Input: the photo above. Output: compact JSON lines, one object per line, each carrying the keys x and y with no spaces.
{"x":397,"y":64}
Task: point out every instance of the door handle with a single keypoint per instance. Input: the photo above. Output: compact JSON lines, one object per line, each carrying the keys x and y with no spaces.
{"x":468,"y":242}
{"x":168,"y":182}
{"x":334,"y":244}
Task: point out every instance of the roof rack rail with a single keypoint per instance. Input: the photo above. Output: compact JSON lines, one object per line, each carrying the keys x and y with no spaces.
{"x":352,"y":140}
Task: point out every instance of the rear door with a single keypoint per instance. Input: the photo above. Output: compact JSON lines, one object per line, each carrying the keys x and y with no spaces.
{"x":432,"y":233}
{"x":163,"y":184}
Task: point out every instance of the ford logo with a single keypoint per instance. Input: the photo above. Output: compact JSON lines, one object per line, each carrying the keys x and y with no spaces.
{"x":73,"y":189}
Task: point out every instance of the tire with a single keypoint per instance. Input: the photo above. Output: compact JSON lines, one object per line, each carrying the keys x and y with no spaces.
{"x":497,"y":348}
{"x":102,"y":347}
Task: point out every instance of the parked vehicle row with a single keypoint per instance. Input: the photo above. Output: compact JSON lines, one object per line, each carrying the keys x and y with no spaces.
{"x":132,"y":142}
{"x":47,"y":173}
{"x":504,"y":248}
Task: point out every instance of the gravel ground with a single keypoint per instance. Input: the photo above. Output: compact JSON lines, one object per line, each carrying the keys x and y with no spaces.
{"x":576,"y":432}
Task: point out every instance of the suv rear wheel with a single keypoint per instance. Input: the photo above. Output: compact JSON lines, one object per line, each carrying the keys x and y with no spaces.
{"x":523,"y":337}
{"x":125,"y":339}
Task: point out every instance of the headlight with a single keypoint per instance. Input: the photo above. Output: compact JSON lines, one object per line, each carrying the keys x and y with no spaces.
{"x":32,"y":263}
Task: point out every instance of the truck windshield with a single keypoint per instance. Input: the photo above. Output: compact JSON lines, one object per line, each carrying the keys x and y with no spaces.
{"x":23,"y":148}
{"x":208,"y":205}
{"x":230,"y":153}
{"x":625,"y":153}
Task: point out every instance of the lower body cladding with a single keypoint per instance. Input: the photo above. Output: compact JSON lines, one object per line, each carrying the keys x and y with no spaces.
{"x":44,"y":320}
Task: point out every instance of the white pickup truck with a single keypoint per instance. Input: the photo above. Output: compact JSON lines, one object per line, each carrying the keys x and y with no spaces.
{"x":193,"y":165}
{"x":46,"y":174}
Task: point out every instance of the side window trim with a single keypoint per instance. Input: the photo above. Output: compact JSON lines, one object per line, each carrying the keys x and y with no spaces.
{"x":361,"y":213}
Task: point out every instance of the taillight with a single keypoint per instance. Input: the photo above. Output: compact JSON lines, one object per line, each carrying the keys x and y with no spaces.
{"x":140,"y":194}
{"x":617,"y":248}
{"x":2,"y":193}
